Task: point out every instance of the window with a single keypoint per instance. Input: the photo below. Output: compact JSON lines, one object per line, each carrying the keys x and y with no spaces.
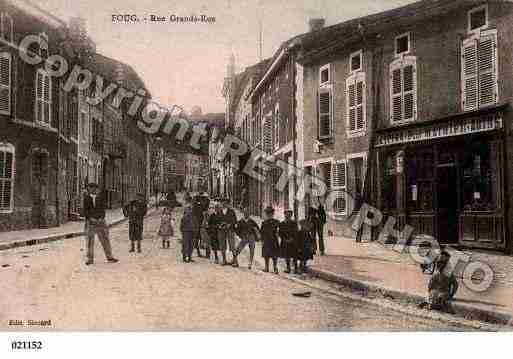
{"x":338,"y":187}
{"x":420,"y":179}
{"x":43,"y":97}
{"x":276,"y":128}
{"x":325,"y":114}
{"x":6,"y":177}
{"x":5,"y":83}
{"x":403,"y":90}
{"x":324,"y":75}
{"x":268,"y":135}
{"x":355,"y":61}
{"x":356,"y":167}
{"x":478,"y":19}
{"x":356,"y":100}
{"x":402,"y":44}
{"x":6,"y":27}
{"x":389,"y":185}
{"x":479,"y":71}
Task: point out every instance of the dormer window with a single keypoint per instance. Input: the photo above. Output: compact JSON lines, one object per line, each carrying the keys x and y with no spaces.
{"x":356,"y":61}
{"x":402,"y":44}
{"x":478,"y":19}
{"x":324,"y":75}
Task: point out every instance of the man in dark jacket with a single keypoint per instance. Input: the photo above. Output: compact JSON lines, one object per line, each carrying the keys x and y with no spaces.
{"x":94,"y":213}
{"x":226,"y":234}
{"x":189,"y":227}
{"x":321,"y":221}
{"x":135,"y":211}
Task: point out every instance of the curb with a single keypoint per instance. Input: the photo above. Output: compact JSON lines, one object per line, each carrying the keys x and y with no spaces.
{"x":55,"y":237}
{"x":462,"y":310}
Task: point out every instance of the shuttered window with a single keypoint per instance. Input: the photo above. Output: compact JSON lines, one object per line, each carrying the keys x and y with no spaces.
{"x":5,"y":83}
{"x":479,"y":71}
{"x":325,"y":114}
{"x":403,"y":90}
{"x":356,"y":99}
{"x":6,"y":27}
{"x":43,"y":97}
{"x":6,"y":177}
{"x":338,"y":186}
{"x":268,"y":135}
{"x":276,"y":130}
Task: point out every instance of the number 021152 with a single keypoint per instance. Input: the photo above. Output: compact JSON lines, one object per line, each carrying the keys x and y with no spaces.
{"x":26,"y":345}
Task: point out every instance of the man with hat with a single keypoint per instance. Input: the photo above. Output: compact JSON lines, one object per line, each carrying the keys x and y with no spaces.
{"x":288,"y":231}
{"x":135,"y":212}
{"x":94,"y":213}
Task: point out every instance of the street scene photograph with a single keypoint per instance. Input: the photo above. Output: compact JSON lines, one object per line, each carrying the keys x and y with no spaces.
{"x":255,"y":166}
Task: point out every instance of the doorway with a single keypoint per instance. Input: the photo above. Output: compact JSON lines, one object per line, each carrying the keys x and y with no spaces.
{"x":39,"y":189}
{"x":447,"y":214}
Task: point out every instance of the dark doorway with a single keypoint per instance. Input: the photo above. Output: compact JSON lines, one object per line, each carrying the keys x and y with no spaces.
{"x":447,"y":204}
{"x":39,"y":189}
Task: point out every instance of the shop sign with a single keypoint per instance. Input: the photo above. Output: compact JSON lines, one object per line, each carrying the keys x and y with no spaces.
{"x":447,"y":129}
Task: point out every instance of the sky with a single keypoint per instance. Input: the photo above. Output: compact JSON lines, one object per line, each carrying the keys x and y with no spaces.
{"x":185,"y":64}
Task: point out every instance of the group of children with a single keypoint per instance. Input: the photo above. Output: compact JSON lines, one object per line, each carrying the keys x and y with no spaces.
{"x":285,"y":239}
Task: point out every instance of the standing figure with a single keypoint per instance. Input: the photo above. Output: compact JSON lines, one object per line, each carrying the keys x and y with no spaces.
{"x":166,"y":229}
{"x":270,"y":242}
{"x":304,"y":245}
{"x":288,"y":232}
{"x":204,"y":233}
{"x":94,"y":213}
{"x":135,"y":212}
{"x":321,"y":222}
{"x":214,"y":223}
{"x":197,"y":212}
{"x":313,"y":220}
{"x":226,"y":234}
{"x":188,"y":226}
{"x":248,"y":231}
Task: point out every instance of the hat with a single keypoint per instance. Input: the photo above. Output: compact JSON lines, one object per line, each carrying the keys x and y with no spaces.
{"x":92,"y":184}
{"x":269,"y":210}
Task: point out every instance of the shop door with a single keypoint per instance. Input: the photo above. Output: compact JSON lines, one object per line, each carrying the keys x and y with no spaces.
{"x":447,"y":214}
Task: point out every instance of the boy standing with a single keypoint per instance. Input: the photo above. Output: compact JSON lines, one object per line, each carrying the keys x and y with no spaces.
{"x":135,"y":212}
{"x":247,"y":230}
{"x":270,"y":245}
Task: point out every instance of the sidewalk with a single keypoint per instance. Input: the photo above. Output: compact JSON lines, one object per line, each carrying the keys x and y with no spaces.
{"x":374,"y":270}
{"x":70,"y":229}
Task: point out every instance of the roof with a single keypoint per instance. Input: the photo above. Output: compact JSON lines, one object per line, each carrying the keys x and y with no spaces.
{"x":318,"y":43}
{"x":108,"y":67}
{"x":254,"y":72}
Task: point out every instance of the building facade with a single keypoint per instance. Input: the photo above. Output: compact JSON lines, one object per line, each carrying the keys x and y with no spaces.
{"x":52,"y":141}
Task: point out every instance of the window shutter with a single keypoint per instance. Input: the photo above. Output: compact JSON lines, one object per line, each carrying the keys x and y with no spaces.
{"x":268,"y":132}
{"x":351,"y":103}
{"x":396,"y":105}
{"x":338,"y":186}
{"x":6,"y":179}
{"x":469,"y":76}
{"x":5,"y":83}
{"x":403,"y":90}
{"x":325,"y":114}
{"x":409,"y":90}
{"x":487,"y":65}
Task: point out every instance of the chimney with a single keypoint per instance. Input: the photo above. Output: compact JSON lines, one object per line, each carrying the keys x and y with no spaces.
{"x":316,"y":24}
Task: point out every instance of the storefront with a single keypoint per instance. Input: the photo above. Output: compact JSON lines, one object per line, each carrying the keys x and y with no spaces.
{"x":446,"y":179}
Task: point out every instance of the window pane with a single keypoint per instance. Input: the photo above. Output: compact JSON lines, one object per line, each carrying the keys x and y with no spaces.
{"x":356,"y":62}
{"x":324,"y":75}
{"x":402,"y":44}
{"x":477,"y":19}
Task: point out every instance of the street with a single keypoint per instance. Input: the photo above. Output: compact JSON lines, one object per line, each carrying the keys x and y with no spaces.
{"x":154,"y":290}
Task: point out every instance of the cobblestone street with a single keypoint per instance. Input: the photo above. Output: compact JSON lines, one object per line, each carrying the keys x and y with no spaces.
{"x":156,"y":291}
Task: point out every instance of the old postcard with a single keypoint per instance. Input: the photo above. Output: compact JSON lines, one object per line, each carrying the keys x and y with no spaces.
{"x":255,"y":166}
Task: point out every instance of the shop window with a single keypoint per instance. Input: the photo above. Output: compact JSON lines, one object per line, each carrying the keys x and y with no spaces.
{"x":479,"y":176}
{"x":420,"y":181}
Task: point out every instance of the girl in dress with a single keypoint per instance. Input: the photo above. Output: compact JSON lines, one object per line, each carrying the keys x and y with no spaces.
{"x":166,"y":227}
